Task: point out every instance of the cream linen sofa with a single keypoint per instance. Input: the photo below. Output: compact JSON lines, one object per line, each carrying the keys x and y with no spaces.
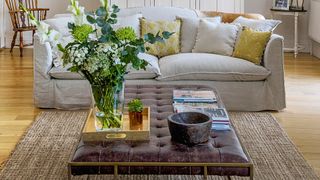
{"x":242,"y":85}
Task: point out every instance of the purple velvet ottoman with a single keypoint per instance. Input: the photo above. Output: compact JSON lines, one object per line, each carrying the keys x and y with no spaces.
{"x":222,"y":155}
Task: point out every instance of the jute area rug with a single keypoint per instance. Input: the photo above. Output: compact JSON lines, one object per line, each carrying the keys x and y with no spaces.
{"x":45,"y":150}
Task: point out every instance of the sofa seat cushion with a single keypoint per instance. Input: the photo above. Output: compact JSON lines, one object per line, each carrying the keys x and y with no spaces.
{"x":151,"y":72}
{"x":62,"y":72}
{"x":203,"y":66}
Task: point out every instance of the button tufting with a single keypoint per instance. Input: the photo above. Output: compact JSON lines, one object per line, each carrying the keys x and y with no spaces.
{"x":217,"y":146}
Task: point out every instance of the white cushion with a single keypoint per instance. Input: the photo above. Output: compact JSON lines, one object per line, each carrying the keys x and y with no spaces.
{"x":152,"y":70}
{"x":258,"y":25}
{"x":62,"y":15}
{"x":132,"y":21}
{"x":217,"y":38}
{"x":203,"y":66}
{"x":189,"y":29}
{"x":60,"y":24}
{"x":61,"y":72}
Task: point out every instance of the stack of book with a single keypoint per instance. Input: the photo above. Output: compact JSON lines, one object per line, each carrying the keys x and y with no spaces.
{"x":201,"y":101}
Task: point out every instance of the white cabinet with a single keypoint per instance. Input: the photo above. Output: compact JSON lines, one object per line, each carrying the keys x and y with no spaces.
{"x":229,"y":6}
{"x":207,"y":5}
{"x":162,"y":2}
{"x":120,"y":3}
{"x":184,"y":3}
{"x":235,"y":6}
{"x":138,"y":3}
{"x":226,"y":5}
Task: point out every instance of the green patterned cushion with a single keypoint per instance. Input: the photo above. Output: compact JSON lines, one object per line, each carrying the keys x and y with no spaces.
{"x":251,"y":45}
{"x":171,"y":45}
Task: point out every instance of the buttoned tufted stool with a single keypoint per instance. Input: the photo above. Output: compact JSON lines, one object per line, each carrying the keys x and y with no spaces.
{"x":222,"y":155}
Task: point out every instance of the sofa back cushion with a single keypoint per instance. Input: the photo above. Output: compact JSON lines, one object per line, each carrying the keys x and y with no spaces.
{"x":60,"y":24}
{"x":258,"y":25}
{"x":189,"y":30}
{"x":216,"y":38}
{"x":169,"y":46}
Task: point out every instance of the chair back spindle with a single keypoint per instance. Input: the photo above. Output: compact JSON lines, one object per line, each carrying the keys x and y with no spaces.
{"x":19,"y":19}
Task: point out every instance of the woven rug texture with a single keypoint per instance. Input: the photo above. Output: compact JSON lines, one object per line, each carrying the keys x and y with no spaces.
{"x":44,"y":151}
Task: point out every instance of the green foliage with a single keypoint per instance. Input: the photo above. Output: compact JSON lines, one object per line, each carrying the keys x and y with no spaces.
{"x":81,"y":33}
{"x":103,"y":56}
{"x":135,"y":105}
{"x":126,"y":33}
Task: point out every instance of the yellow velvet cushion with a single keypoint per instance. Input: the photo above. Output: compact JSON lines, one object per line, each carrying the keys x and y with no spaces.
{"x":171,"y":45}
{"x":251,"y":45}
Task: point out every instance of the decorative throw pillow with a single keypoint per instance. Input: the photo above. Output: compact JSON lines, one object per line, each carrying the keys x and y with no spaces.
{"x":258,"y":25}
{"x":129,"y":21}
{"x":216,"y":38}
{"x":189,"y":29}
{"x":251,"y":45}
{"x":171,"y":45}
{"x":60,"y":24}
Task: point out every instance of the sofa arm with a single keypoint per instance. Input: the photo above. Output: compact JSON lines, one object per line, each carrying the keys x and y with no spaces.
{"x":42,"y":57}
{"x":274,"y":61}
{"x":43,"y":84}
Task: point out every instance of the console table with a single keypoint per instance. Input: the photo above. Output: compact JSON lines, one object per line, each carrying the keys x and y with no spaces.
{"x":295,"y":13}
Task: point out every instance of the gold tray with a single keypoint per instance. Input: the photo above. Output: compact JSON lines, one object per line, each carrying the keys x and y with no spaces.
{"x":127,"y":132}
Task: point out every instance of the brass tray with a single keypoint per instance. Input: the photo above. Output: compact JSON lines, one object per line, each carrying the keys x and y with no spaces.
{"x":127,"y":132}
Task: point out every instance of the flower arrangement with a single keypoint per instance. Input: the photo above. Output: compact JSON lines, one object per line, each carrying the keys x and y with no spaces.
{"x":100,"y":53}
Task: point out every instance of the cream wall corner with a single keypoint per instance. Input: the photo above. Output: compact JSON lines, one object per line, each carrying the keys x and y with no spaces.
{"x":287,"y":26}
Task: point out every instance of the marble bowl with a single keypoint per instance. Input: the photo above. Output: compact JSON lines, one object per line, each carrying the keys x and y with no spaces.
{"x":190,"y":128}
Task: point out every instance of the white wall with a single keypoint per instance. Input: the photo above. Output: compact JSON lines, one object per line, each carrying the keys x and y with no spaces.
{"x":287,"y":26}
{"x":2,"y":23}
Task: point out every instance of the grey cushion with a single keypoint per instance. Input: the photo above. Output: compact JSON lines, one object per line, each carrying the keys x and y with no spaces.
{"x":61,"y":72}
{"x":203,"y":66}
{"x":151,"y":72}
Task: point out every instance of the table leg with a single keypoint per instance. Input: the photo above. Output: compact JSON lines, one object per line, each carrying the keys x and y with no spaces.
{"x":296,"y":16}
{"x":205,"y":172}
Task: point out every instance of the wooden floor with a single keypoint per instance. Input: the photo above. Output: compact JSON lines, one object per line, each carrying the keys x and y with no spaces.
{"x":301,"y":118}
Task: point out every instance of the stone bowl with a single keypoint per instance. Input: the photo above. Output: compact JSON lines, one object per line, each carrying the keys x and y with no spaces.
{"x":190,"y":128}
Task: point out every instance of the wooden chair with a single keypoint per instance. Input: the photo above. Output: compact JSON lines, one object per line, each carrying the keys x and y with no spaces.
{"x":20,"y":21}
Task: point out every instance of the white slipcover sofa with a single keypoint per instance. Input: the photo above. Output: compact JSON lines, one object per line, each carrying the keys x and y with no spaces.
{"x":242,"y":85}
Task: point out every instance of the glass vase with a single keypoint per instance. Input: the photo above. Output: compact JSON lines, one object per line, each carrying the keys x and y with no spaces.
{"x":108,"y":104}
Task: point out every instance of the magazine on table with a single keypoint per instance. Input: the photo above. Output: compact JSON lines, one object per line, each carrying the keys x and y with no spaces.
{"x":219,"y":116}
{"x":191,"y":96}
{"x":184,"y":107}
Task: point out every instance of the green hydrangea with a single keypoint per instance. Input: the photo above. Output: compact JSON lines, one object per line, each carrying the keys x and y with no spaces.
{"x":126,"y":33}
{"x":81,"y":33}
